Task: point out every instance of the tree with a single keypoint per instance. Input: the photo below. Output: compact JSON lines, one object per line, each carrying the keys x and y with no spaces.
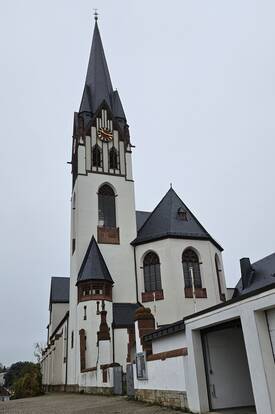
{"x":38,"y":350}
{"x":29,"y":384}
{"x":25,"y":379}
{"x":15,"y":371}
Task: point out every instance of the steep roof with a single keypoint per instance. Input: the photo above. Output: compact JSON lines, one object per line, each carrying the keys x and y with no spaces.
{"x":123,"y":314}
{"x":93,"y":266}
{"x":141,"y":217}
{"x":262,"y":274}
{"x":165,"y":222}
{"x":98,"y":85}
{"x":60,"y":290}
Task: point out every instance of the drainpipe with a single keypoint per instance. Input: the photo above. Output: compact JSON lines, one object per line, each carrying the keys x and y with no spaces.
{"x":135,"y":260}
{"x":66,"y":369}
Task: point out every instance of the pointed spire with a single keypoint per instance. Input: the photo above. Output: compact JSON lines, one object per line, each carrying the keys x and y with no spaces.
{"x":98,"y":84}
{"x":93,"y":266}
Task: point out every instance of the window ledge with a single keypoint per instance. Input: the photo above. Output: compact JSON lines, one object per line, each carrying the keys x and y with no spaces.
{"x":200,"y":293}
{"x":149,"y":296}
{"x":108,"y":235}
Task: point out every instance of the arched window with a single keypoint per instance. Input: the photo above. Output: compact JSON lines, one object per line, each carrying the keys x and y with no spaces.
{"x":106,"y":206}
{"x":96,"y":156}
{"x":113,"y":158}
{"x":190,"y":264}
{"x":218,"y":271}
{"x":151,"y":271}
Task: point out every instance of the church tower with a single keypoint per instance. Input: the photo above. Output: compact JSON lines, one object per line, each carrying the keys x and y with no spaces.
{"x":103,"y":221}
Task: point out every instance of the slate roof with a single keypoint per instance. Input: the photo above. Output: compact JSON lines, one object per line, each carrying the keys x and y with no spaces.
{"x":165,"y":222}
{"x":141,"y":216}
{"x":262,"y":274}
{"x":93,"y":266}
{"x":60,"y":290}
{"x":98,"y":85}
{"x":123,"y":314}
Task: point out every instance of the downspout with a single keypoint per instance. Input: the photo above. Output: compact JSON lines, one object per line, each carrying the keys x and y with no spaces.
{"x":113,"y":342}
{"x":135,"y":261}
{"x":66,"y":370}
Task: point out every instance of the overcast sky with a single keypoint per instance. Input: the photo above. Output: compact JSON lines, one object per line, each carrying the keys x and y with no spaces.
{"x":197,"y":81}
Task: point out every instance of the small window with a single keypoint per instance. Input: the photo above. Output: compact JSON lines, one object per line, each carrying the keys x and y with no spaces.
{"x":96,"y":156}
{"x":151,"y":271}
{"x":182,"y":215}
{"x":191,"y":269}
{"x":85,"y":313}
{"x":73,"y":246}
{"x":113,"y":158}
{"x":72,"y":339}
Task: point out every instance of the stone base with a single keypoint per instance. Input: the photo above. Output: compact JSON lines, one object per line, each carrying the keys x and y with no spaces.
{"x":173,"y":399}
{"x":61,"y":388}
{"x":97,"y":390}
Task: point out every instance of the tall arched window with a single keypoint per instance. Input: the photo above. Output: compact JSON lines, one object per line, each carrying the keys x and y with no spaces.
{"x":190,"y":264}
{"x":151,"y":271}
{"x":106,"y":207}
{"x":218,"y":271}
{"x":113,"y":158}
{"x":96,"y":156}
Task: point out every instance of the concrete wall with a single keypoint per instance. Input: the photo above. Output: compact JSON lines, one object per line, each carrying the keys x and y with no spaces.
{"x":163,"y":375}
{"x":251,"y":312}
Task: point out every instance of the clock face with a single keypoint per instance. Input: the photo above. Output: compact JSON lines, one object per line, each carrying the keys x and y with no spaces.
{"x":105,"y":134}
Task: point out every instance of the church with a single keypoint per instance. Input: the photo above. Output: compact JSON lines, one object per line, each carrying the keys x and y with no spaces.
{"x":134,"y":275}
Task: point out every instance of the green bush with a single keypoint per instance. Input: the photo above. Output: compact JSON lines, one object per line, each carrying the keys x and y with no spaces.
{"x":27,"y":382}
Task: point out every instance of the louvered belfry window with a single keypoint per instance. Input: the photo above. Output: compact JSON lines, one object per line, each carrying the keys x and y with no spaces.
{"x":113,"y":158}
{"x":190,"y":261}
{"x":151,"y":270}
{"x":106,"y":206}
{"x":96,"y":156}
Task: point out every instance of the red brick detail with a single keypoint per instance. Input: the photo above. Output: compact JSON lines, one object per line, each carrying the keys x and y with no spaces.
{"x":82,"y":349}
{"x":108,"y":235}
{"x":146,"y":325}
{"x":104,"y":375}
{"x":168,"y":354}
{"x":87,"y":291}
{"x":200,"y":293}
{"x":131,"y":342}
{"x":104,"y":332}
{"x":149,"y":296}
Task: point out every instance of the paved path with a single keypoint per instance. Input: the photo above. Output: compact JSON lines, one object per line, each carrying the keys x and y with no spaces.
{"x":78,"y":404}
{"x":86,"y":404}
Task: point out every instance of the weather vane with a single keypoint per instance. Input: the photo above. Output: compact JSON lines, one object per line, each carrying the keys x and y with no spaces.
{"x":95,"y":14}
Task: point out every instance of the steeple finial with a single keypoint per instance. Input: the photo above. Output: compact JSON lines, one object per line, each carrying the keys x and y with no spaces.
{"x":95,"y":15}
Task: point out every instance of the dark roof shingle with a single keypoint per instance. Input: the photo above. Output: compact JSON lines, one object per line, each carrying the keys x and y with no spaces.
{"x":123,"y":314}
{"x":93,"y":266}
{"x":60,"y":290}
{"x":165,"y":222}
{"x":262,"y":274}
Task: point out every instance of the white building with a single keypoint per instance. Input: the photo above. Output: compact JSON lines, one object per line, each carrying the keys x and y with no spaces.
{"x":120,"y":259}
{"x":218,"y":358}
{"x":134,"y":273}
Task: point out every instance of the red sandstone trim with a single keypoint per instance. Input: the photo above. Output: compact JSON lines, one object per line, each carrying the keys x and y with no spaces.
{"x":149,"y":296}
{"x":168,"y":354}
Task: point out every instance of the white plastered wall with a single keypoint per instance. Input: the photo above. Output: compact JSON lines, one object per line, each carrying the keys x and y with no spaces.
{"x":175,"y":306}
{"x":57,"y":314}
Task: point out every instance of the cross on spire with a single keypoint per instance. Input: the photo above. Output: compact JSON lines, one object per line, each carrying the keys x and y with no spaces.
{"x":95,"y":14}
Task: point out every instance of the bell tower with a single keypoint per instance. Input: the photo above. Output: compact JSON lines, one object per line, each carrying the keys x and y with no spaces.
{"x":102,"y":202}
